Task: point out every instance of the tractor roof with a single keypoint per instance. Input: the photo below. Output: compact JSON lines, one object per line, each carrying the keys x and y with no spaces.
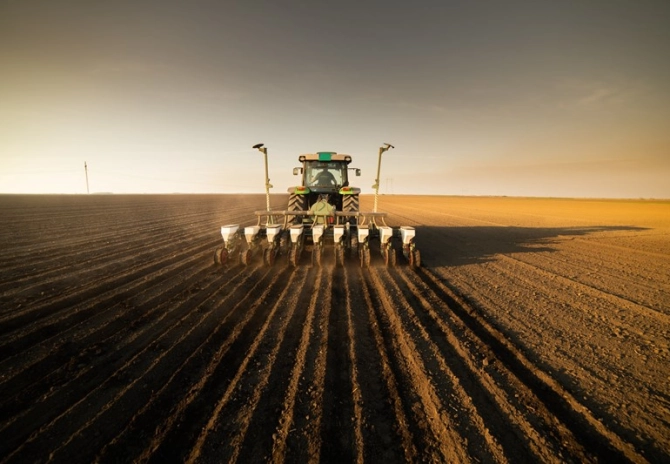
{"x":325,"y":156}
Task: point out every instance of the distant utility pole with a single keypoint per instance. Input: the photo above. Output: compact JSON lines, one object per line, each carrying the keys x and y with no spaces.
{"x":86,"y":172}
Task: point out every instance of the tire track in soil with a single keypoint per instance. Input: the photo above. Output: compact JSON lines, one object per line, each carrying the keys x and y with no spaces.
{"x":98,"y":389}
{"x":561,"y":411}
{"x":356,"y":395}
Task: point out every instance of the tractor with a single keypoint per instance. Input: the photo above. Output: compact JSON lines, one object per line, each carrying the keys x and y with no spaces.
{"x":323,"y":211}
{"x":325,"y":175}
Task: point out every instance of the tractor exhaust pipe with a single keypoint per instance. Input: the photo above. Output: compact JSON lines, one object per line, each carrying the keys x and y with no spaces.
{"x":382,"y":149}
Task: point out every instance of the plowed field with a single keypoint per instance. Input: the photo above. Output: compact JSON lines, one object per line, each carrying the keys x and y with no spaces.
{"x":537,"y":330}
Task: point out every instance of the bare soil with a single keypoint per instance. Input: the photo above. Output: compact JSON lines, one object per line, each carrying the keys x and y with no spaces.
{"x":537,"y":330}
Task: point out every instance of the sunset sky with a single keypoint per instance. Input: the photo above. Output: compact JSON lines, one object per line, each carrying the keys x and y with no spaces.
{"x":528,"y":98}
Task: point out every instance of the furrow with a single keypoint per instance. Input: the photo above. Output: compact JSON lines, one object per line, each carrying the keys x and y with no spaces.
{"x":193,"y":409}
{"x":376,"y":421}
{"x":191,"y":361}
{"x":47,"y":363}
{"x":458,"y":366}
{"x":338,"y":422}
{"x":559,"y":403}
{"x":286,"y":419}
{"x":372,"y":301}
{"x":258,"y":379}
{"x":95,"y":388}
{"x":357,"y":397}
{"x":439,"y":440}
{"x":304,"y":440}
{"x":74,"y":303}
{"x":95,"y":256}
{"x":659,"y":313}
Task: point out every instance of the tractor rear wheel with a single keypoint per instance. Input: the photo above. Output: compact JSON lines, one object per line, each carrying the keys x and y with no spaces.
{"x":297,"y":203}
{"x":350,"y":204}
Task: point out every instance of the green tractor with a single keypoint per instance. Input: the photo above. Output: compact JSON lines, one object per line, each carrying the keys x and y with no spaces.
{"x":325,"y":176}
{"x":322,"y":212}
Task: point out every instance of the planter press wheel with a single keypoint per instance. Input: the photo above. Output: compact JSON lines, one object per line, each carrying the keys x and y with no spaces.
{"x":415,"y":259}
{"x":390,"y":257}
{"x":245,"y":257}
{"x":269,"y":256}
{"x":220,"y":256}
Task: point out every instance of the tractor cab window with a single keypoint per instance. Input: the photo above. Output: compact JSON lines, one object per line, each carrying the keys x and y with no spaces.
{"x":325,"y":174}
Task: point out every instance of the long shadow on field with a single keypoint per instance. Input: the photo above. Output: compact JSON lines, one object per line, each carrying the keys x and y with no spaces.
{"x":456,"y":246}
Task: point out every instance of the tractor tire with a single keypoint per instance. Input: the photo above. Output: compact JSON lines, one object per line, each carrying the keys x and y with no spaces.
{"x":297,"y":203}
{"x":350,"y":204}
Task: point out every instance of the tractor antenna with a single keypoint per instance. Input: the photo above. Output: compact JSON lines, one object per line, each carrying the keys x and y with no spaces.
{"x":382,"y":149}
{"x":268,"y":186}
{"x":86,"y":173}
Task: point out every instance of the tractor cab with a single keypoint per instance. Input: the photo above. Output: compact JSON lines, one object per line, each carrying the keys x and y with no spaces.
{"x":324,"y":172}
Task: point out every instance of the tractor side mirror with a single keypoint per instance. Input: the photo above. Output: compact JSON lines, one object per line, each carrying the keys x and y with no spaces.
{"x":358,"y":172}
{"x":297,"y":171}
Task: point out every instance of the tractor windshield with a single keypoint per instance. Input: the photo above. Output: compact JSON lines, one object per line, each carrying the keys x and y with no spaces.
{"x":325,"y":174}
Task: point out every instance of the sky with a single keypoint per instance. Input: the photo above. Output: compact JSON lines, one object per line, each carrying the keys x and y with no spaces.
{"x":519,"y":98}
